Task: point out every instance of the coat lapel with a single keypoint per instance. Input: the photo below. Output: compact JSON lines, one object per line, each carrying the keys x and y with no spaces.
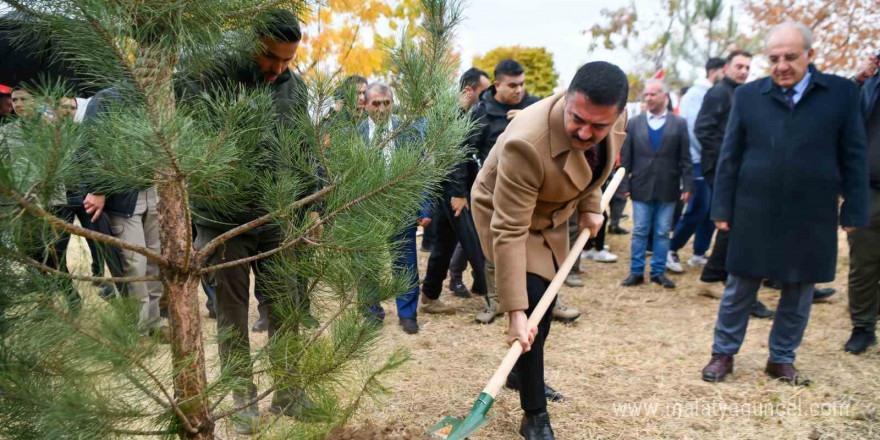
{"x":576,"y":167}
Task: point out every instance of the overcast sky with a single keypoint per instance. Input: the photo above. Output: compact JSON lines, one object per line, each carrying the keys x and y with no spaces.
{"x":554,"y":24}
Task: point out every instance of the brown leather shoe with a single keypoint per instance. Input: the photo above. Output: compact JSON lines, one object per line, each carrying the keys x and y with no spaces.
{"x":786,"y":373}
{"x":719,"y":367}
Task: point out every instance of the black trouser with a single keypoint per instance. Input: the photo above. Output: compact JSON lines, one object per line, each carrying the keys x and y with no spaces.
{"x":616,"y":207}
{"x":530,"y":366}
{"x":452,"y":230}
{"x":232,"y":290}
{"x":716,"y":269}
{"x":864,"y":269}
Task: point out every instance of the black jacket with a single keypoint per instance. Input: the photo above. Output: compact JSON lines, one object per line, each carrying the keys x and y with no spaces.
{"x":870,"y":95}
{"x":123,"y":203}
{"x":490,"y":120}
{"x":657,"y":175}
{"x":290,"y":96}
{"x":711,"y":123}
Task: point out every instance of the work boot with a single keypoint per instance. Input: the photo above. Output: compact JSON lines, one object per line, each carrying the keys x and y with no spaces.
{"x":291,"y":403}
{"x":436,"y":306}
{"x":245,"y":421}
{"x":564,"y":314}
{"x":262,"y":323}
{"x":536,"y":427}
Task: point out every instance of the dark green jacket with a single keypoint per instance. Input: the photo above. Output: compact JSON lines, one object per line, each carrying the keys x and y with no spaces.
{"x":290,"y":96}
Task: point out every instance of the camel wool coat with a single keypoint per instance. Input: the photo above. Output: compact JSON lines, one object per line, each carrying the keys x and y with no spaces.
{"x":531,"y":183}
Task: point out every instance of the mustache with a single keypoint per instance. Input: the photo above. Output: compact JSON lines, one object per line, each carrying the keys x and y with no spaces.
{"x":591,"y":139}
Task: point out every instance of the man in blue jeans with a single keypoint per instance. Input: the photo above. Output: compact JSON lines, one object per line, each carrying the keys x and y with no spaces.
{"x":695,"y":221}
{"x":656,"y":157}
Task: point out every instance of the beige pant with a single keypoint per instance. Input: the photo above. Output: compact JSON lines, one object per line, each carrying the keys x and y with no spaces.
{"x":141,"y":229}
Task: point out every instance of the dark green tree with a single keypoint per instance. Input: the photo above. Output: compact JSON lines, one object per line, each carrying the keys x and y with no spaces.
{"x":81,"y":369}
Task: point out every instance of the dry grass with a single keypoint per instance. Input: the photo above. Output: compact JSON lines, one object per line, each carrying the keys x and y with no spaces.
{"x":637,"y":345}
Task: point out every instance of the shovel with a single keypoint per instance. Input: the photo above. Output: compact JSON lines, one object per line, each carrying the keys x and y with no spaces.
{"x":452,"y":428}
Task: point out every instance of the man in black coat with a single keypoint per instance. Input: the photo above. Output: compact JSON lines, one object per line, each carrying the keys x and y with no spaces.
{"x":864,"y":243}
{"x":795,"y":143}
{"x":656,"y":156}
{"x":452,"y":217}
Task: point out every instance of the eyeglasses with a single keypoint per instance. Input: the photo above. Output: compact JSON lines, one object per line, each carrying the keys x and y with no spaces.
{"x":789,"y":58}
{"x":384,"y":103}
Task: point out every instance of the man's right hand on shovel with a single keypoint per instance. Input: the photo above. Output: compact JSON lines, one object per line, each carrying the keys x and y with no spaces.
{"x":519,"y":330}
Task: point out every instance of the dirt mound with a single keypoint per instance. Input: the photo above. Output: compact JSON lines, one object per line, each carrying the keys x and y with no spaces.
{"x":370,"y":432}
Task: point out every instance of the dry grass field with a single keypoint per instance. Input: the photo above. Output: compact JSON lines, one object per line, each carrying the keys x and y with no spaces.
{"x":636,"y":349}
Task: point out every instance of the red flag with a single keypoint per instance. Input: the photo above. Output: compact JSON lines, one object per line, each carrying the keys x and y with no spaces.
{"x":660,"y":74}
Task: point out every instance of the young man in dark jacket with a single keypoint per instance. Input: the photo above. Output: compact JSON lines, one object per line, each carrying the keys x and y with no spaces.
{"x":709,"y":130}
{"x":452,"y":217}
{"x":268,"y":67}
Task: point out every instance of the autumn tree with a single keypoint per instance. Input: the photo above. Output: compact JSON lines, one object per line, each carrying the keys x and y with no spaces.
{"x":83,"y":368}
{"x":843,"y":30}
{"x":348,"y":34}
{"x":680,"y":39}
{"x":541,"y":75}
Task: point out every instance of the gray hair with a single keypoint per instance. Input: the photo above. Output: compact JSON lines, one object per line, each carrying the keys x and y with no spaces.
{"x":657,"y":81}
{"x":802,"y":28}
{"x":380,"y":88}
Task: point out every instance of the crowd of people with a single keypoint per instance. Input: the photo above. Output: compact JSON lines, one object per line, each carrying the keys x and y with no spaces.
{"x":762,"y":166}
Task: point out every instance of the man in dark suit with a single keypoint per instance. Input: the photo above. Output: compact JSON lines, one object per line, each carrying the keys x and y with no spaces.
{"x":375,"y":129}
{"x":658,"y":163}
{"x":864,"y":243}
{"x":795,"y":143}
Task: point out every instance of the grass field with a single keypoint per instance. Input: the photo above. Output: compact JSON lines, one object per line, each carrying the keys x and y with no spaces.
{"x":634,"y":349}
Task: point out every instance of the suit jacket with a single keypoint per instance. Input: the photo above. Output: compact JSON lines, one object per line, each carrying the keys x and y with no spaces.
{"x":531,"y":183}
{"x":781,"y":174}
{"x":657,"y":175}
{"x":408,"y":135}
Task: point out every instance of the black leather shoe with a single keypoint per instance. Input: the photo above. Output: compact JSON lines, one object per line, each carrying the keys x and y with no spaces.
{"x":536,"y":427}
{"x":459,"y":290}
{"x":617,"y":230}
{"x":663,"y":281}
{"x":860,"y":340}
{"x":718,"y":368}
{"x":822,"y":295}
{"x":760,"y":311}
{"x":549,"y":393}
{"x":410,"y":326}
{"x":634,"y":280}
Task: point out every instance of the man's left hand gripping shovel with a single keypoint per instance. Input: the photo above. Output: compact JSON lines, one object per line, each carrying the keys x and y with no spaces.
{"x":452,"y":428}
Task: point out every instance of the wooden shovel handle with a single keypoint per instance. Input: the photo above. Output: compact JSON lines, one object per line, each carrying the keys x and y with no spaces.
{"x":515,"y":350}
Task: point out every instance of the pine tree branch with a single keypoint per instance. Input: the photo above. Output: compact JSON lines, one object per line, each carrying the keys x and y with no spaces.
{"x":43,"y":267}
{"x":80,"y":231}
{"x":308,"y":231}
{"x":134,"y":361}
{"x":143,"y":433}
{"x":22,"y":8}
{"x":299,"y":356}
{"x":234,"y":232}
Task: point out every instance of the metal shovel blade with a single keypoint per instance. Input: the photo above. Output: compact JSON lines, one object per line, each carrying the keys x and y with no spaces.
{"x":452,"y":428}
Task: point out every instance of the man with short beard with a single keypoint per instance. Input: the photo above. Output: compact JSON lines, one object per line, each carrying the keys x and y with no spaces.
{"x":551,"y":161}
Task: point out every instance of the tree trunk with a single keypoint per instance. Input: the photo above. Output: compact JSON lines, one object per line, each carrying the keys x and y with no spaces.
{"x":181,"y":289}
